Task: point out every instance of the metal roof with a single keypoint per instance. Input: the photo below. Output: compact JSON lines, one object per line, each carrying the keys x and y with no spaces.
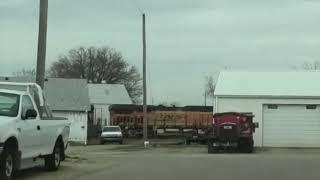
{"x":139,"y":108}
{"x":25,"y":79}
{"x":62,"y":94}
{"x":108,"y":94}
{"x":67,"y":94}
{"x":270,"y":84}
{"x":17,"y":92}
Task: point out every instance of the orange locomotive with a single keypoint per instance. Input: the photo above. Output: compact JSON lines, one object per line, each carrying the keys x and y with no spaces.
{"x":188,"y":121}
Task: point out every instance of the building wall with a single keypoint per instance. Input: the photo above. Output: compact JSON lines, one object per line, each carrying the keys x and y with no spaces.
{"x":78,"y":127}
{"x":255,"y":105}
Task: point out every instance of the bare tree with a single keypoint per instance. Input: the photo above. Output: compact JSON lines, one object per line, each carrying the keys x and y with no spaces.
{"x":174,"y":104}
{"x":312,"y":66}
{"x":170,"y":104}
{"x":209,"y":88}
{"x":26,"y":73}
{"x":99,"y":65}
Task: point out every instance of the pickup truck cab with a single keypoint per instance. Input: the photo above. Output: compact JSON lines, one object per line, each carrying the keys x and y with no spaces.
{"x":28,"y":131}
{"x":111,"y":134}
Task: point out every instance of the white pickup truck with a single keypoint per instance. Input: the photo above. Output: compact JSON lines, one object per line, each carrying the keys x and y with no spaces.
{"x":28,"y":131}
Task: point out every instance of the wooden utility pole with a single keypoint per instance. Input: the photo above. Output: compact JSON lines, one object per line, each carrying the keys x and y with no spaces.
{"x":205,"y":98}
{"x":42,"y":42}
{"x":145,"y":120}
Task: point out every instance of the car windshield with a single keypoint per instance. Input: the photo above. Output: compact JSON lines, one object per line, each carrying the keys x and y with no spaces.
{"x":9,"y":104}
{"x":111,"y":129}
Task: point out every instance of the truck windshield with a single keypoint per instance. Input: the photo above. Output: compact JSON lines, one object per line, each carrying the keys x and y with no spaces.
{"x":9,"y":104}
{"x":111,"y":129}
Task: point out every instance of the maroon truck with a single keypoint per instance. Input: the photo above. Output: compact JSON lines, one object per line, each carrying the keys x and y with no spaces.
{"x":232,"y":131}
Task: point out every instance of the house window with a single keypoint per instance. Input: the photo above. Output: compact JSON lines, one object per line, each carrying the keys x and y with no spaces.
{"x":311,"y":106}
{"x":272,"y":106}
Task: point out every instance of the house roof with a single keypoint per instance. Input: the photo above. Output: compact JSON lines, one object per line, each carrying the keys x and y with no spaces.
{"x":272,"y":84}
{"x":61,"y":94}
{"x":108,"y":94}
{"x":67,"y":94}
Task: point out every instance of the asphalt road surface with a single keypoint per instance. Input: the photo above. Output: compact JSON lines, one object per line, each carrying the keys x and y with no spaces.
{"x":209,"y":167}
{"x":116,"y":162}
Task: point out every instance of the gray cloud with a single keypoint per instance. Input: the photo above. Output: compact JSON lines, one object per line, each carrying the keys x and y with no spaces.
{"x":187,"y":39}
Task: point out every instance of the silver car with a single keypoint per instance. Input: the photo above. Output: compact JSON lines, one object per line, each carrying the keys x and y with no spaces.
{"x":111,"y":134}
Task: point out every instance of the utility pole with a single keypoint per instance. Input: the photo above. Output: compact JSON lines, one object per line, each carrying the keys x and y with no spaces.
{"x":145,"y":120}
{"x":42,"y":43}
{"x":205,"y":98}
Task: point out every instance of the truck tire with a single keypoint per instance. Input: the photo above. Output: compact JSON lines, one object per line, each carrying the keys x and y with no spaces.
{"x":121,"y":142}
{"x":7,"y":164}
{"x":250,"y":146}
{"x":187,"y":141}
{"x":211,"y":149}
{"x":52,"y":161}
{"x":242,"y":146}
{"x":245,"y":146}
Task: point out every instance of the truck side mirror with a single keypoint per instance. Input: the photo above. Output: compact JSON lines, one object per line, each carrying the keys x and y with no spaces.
{"x":31,"y":114}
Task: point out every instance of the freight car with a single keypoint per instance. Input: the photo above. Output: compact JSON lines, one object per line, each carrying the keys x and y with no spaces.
{"x":191,"y":122}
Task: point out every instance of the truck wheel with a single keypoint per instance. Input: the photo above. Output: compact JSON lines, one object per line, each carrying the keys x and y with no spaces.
{"x":245,"y":146}
{"x":187,"y":141}
{"x":241,"y":146}
{"x":7,"y":164}
{"x":250,"y":147}
{"x":211,"y":149}
{"x":52,"y":161}
{"x":121,"y":142}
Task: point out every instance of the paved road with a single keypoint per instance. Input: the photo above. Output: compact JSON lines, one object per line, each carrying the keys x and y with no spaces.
{"x":180,"y":162}
{"x":200,"y":166}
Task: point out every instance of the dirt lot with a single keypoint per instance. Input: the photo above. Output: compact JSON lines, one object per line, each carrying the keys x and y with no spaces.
{"x":177,"y":161}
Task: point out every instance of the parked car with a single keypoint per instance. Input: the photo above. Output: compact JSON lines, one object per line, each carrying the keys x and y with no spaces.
{"x":28,"y":132}
{"x":232,"y":131}
{"x":111,"y":134}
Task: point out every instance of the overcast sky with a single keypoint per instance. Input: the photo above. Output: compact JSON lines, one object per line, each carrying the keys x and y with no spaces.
{"x":187,"y":39}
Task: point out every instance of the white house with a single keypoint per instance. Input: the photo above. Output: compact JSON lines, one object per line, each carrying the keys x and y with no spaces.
{"x":69,"y":98}
{"x":102,"y":96}
{"x":286,"y":105}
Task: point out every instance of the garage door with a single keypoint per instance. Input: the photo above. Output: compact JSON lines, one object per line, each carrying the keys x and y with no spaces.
{"x":291,"y":125}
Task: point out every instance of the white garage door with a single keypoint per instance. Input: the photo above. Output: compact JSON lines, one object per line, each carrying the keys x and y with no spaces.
{"x":291,"y":126}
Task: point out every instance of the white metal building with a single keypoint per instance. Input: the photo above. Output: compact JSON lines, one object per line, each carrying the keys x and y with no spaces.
{"x":69,"y":98}
{"x":286,"y":105}
{"x":102,"y":96}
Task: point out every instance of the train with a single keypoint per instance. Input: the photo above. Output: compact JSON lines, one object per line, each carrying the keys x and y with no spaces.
{"x":191,"y":122}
